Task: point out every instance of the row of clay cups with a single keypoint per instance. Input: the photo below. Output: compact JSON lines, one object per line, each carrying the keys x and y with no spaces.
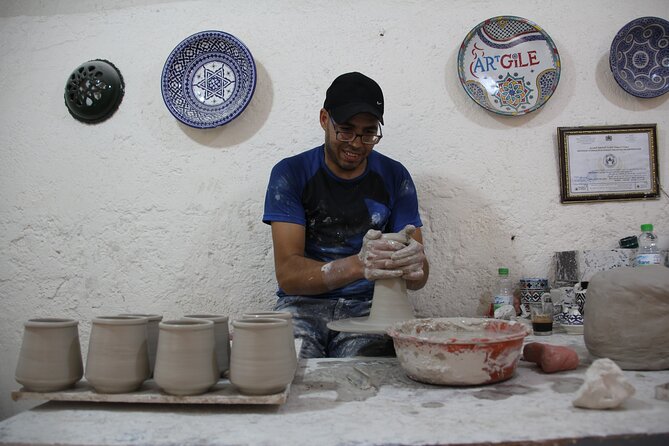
{"x":190,"y":353}
{"x":262,"y":358}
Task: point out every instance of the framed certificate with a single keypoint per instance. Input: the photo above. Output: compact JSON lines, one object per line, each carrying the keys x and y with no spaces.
{"x":607,"y":163}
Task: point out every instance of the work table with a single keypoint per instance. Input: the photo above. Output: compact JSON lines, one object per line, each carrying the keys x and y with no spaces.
{"x":370,"y":401}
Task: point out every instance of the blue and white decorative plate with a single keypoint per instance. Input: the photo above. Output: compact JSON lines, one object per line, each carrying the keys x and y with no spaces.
{"x":639,"y":57}
{"x":208,"y":79}
{"x":508,"y":65}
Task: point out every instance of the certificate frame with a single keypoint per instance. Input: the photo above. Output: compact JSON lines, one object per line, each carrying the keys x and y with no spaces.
{"x":608,"y":163}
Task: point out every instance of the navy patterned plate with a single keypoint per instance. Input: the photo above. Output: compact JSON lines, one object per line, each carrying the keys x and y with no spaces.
{"x":639,"y":57}
{"x":509,"y":65}
{"x":208,"y":79}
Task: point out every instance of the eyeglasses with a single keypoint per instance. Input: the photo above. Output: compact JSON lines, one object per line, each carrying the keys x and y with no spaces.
{"x":349,"y":136}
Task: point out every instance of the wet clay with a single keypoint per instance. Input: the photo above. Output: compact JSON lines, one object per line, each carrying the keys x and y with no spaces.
{"x":627,"y":312}
{"x":502,"y":392}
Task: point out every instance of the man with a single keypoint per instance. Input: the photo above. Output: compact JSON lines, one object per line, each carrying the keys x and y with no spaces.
{"x":328,"y":207}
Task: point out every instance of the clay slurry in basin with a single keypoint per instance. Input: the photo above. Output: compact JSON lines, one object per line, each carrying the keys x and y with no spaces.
{"x":458,"y":351}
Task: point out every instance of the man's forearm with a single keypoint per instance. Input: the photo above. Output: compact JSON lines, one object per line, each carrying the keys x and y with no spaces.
{"x":303,"y":276}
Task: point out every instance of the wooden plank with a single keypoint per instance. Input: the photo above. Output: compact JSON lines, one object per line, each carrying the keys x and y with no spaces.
{"x":223,"y":392}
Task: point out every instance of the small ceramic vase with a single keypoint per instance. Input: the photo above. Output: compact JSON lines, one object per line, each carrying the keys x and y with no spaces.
{"x":221,"y":338}
{"x":152,"y":335}
{"x":573,"y":316}
{"x":50,"y":357}
{"x":262,"y":361}
{"x":118,"y":358}
{"x":285,"y":315}
{"x":186,"y":359}
{"x":579,"y":299}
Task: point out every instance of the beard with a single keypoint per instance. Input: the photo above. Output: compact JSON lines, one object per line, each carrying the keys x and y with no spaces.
{"x":336,"y":154}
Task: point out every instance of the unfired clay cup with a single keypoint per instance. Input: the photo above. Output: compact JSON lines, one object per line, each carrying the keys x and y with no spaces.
{"x":285,"y":315}
{"x":186,"y":359}
{"x":262,"y":361}
{"x":50,"y":357}
{"x":118,"y":359}
{"x":152,"y":335}
{"x":221,"y":337}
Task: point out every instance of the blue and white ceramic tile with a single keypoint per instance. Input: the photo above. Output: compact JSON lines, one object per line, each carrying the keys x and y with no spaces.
{"x":639,"y":57}
{"x":533,"y":284}
{"x":208,"y":79}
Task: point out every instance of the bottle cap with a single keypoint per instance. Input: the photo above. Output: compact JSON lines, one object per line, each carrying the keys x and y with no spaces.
{"x":503,"y":271}
{"x":629,"y":242}
{"x":647,"y":228}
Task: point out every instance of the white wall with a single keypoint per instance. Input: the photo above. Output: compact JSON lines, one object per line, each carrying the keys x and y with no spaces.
{"x":143,"y":214}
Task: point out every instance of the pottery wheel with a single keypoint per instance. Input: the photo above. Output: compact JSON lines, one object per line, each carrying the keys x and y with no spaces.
{"x":390,"y":304}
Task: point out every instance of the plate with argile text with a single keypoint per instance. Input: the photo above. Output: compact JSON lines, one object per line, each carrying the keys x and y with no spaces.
{"x":509,"y":65}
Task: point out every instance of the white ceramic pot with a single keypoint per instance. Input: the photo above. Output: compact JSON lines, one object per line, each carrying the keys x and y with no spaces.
{"x":50,"y":356}
{"x":186,"y":358}
{"x":118,"y":359}
{"x":221,"y":338}
{"x":263,"y":359}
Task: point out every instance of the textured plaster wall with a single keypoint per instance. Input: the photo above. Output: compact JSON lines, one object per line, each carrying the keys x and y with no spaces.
{"x":143,"y":214}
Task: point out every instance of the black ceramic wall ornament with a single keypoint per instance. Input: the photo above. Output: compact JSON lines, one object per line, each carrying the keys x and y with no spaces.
{"x":94,"y":91}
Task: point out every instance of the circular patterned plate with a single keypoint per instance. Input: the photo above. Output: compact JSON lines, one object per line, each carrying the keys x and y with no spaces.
{"x":509,"y":65}
{"x":208,"y":79}
{"x":639,"y":57}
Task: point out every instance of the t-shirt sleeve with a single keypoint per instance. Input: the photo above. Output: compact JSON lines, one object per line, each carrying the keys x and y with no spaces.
{"x":405,"y":209}
{"x":283,"y":201}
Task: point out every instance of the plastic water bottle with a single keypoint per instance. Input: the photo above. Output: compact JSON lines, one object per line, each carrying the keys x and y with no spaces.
{"x":648,"y":253}
{"x":504,"y":294}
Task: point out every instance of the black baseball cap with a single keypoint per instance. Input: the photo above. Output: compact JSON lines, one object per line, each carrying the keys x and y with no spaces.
{"x":353,"y":93}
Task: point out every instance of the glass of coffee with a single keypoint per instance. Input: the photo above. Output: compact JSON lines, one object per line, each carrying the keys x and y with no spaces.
{"x":541,"y":314}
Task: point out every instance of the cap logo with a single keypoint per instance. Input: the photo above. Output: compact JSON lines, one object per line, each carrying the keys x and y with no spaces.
{"x":379,"y":102}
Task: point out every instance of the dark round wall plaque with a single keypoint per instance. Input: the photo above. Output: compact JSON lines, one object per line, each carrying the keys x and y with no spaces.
{"x":94,"y":91}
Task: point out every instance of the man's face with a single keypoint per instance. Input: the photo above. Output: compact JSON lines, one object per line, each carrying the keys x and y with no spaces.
{"x":348,"y":159}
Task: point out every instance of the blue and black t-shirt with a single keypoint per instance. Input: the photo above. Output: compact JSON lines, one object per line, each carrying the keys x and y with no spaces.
{"x":337,"y":213}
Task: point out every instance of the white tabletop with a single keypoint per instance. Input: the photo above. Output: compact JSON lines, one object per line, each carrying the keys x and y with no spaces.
{"x":367,"y":401}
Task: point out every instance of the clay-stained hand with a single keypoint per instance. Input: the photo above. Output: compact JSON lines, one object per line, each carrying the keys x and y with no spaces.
{"x":410,"y":258}
{"x":376,"y":256}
